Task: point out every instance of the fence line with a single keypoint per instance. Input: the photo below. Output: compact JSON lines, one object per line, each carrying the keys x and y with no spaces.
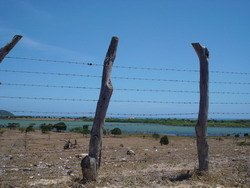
{"x":119,"y":77}
{"x":119,"y":89}
{"x":125,"y":67}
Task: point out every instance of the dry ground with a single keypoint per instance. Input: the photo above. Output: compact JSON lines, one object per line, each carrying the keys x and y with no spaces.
{"x":44,"y":162}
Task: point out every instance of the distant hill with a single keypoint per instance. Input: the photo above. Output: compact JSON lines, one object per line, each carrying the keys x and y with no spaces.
{"x":5,"y":113}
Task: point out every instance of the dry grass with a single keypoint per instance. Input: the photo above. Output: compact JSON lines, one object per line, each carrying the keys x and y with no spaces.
{"x":45,"y":163}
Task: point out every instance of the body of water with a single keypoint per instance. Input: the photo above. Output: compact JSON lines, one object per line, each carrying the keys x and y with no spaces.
{"x":139,"y":128}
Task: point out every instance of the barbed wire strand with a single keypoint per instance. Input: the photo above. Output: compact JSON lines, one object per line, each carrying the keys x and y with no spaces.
{"x":119,"y":77}
{"x":133,"y":114}
{"x":119,"y":89}
{"x":120,"y":101}
{"x":125,"y":67}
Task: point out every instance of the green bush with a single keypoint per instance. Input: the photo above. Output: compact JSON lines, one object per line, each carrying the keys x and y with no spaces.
{"x":30,"y":128}
{"x":83,"y":130}
{"x":21,"y":129}
{"x":237,"y":135}
{"x":46,"y":127}
{"x":116,"y":131}
{"x":76,"y":130}
{"x":60,"y":126}
{"x":104,"y":131}
{"x":13,"y":125}
{"x":1,"y":132}
{"x":164,"y":140}
{"x":156,"y":136}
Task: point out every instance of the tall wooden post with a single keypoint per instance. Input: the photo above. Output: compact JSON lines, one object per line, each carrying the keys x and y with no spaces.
{"x":8,"y":47}
{"x":201,"y":126}
{"x":91,"y":163}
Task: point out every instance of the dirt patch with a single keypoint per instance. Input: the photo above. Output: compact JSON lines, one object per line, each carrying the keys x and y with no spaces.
{"x":44,"y":162}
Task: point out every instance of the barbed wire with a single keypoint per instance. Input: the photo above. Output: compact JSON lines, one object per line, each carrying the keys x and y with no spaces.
{"x":118,"y":114}
{"x":132,"y":114}
{"x":120,"y":89}
{"x":119,"y":77}
{"x":125,"y":67}
{"x":120,"y":101}
{"x":50,"y":73}
{"x":55,"y":61}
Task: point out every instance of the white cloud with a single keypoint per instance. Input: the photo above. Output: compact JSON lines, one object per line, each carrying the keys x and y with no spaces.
{"x":33,"y":44}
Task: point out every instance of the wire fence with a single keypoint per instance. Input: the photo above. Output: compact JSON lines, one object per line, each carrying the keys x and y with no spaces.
{"x":93,"y":64}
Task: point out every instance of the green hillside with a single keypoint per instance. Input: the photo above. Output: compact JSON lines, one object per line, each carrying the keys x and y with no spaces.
{"x":5,"y":113}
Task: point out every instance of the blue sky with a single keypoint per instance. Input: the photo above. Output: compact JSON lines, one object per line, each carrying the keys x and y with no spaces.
{"x":152,"y":34}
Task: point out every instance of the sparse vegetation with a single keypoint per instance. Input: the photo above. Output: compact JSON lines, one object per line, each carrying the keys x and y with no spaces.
{"x":116,"y":131}
{"x":149,"y":157}
{"x":156,"y":136}
{"x":164,"y":140}
{"x":1,"y":132}
{"x":237,"y":135}
{"x":45,"y":128}
{"x":21,"y":129}
{"x":83,"y":130}
{"x":184,"y":122}
{"x":13,"y":126}
{"x":60,"y":126}
{"x":30,"y":128}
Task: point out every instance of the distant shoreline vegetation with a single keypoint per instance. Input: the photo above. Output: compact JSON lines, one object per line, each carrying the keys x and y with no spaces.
{"x":162,"y":121}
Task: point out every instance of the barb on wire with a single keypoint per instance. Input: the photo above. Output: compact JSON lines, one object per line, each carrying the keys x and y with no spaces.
{"x":120,"y":89}
{"x":126,"y":67}
{"x":55,"y":61}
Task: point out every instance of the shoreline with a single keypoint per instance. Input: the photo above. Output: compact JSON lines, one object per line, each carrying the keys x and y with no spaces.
{"x":165,"y":122}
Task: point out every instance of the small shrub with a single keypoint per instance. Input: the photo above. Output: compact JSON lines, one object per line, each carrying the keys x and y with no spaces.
{"x":237,"y":135}
{"x":246,"y":135}
{"x":46,"y":127}
{"x":83,"y":130}
{"x":228,"y":135}
{"x":30,"y":128}
{"x":164,"y":140}
{"x":116,"y":131}
{"x":21,"y":129}
{"x":13,"y":126}
{"x":156,"y":136}
{"x":104,"y":131}
{"x":76,"y":130}
{"x":1,"y":132}
{"x":60,"y":126}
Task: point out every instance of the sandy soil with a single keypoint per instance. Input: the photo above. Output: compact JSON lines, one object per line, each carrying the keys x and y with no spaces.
{"x":44,"y":162}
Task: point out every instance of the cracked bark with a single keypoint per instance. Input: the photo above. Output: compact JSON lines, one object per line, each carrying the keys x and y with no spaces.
{"x":91,"y":163}
{"x":201,"y":126}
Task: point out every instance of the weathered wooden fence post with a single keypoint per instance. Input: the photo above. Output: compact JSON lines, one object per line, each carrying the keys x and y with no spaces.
{"x":91,"y":163}
{"x":201,"y":126}
{"x":8,"y":47}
